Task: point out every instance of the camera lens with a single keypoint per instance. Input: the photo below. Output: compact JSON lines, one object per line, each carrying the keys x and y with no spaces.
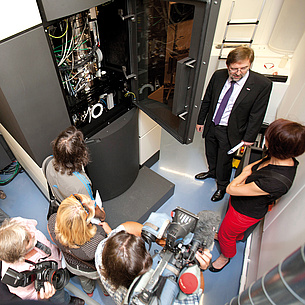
{"x":59,"y":278}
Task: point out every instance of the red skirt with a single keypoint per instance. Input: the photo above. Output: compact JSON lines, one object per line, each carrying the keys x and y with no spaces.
{"x":232,"y":229}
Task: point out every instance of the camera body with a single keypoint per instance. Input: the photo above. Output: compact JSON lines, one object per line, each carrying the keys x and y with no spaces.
{"x":46,"y":271}
{"x":178,"y":234}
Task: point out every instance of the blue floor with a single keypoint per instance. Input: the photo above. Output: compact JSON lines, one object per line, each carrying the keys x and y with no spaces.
{"x":178,"y":163}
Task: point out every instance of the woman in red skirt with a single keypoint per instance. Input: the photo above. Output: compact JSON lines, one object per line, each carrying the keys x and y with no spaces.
{"x":259,"y":185}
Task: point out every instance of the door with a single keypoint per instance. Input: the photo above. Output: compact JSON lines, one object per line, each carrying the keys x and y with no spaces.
{"x":170,"y":48}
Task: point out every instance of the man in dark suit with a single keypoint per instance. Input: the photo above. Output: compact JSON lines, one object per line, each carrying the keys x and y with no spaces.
{"x":245,"y":95}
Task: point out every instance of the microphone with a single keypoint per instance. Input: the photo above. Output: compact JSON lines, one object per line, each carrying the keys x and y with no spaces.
{"x":205,"y":230}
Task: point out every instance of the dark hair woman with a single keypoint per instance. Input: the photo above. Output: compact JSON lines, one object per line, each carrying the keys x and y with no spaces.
{"x":125,"y":254}
{"x":65,"y":171}
{"x":259,"y":185}
{"x":122,"y":257}
{"x":70,"y":151}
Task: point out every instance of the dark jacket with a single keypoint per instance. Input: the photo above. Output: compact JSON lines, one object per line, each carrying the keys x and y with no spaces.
{"x":248,"y":111}
{"x":5,"y":294}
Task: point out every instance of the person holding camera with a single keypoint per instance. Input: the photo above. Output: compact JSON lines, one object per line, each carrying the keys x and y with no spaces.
{"x":122,"y":257}
{"x":64,"y":170}
{"x":22,"y":246}
{"x":6,"y":295}
{"x":74,"y":234}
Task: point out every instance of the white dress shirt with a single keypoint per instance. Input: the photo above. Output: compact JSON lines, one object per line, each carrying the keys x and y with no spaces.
{"x":236,"y":90}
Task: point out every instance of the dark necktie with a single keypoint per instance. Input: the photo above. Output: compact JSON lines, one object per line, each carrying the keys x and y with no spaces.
{"x":223,"y":104}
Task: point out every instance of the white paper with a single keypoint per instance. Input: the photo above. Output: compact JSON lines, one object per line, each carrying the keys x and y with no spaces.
{"x":99,"y":202}
{"x":234,"y":149}
{"x":98,"y":199}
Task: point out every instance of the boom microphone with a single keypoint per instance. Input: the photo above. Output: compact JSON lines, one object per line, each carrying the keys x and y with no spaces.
{"x":205,"y":230}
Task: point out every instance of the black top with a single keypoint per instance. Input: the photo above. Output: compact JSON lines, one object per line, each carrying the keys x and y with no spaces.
{"x":257,"y":206}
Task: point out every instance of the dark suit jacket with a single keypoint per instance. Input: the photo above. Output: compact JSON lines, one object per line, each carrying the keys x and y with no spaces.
{"x":248,"y":111}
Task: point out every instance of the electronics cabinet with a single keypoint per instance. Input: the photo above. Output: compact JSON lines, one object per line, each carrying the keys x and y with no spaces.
{"x":93,"y":64}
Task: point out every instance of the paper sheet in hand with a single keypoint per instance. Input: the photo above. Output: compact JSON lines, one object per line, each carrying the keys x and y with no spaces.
{"x":99,"y":202}
{"x":234,"y":149}
{"x":98,"y":199}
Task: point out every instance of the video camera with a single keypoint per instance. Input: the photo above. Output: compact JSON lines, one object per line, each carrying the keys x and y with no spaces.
{"x":178,"y":234}
{"x":185,"y":234}
{"x":46,"y":271}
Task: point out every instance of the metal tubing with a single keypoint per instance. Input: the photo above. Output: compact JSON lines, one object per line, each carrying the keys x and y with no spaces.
{"x":282,"y":285}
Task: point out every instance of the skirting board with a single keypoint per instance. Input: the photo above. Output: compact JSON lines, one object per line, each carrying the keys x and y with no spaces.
{"x":148,"y":193}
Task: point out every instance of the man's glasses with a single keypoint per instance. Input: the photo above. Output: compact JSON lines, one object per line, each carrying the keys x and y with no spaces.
{"x":243,"y":69}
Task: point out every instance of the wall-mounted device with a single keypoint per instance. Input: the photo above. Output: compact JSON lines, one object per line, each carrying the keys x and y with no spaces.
{"x":96,"y":93}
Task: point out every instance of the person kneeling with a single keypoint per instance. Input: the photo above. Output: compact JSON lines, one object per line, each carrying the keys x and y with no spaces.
{"x":122,"y":257}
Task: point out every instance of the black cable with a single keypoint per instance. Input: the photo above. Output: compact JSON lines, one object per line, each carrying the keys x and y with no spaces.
{"x":17,"y":169}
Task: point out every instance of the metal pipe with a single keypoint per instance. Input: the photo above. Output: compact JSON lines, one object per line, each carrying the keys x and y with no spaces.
{"x":282,"y":285}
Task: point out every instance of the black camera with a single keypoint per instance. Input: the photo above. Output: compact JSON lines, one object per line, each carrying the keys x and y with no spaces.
{"x":46,"y":271}
{"x":178,"y":233}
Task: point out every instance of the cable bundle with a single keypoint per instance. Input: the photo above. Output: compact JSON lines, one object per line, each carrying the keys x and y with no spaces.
{"x":13,"y":169}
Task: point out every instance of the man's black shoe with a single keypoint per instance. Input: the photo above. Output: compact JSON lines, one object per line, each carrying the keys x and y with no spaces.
{"x":204,"y":175}
{"x":218,"y":195}
{"x":76,"y":301}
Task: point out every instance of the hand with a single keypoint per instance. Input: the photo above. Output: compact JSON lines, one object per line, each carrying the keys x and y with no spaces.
{"x":199,"y":128}
{"x":248,"y":143}
{"x":161,"y":242}
{"x":100,"y":213}
{"x":105,"y":226}
{"x":204,"y":258}
{"x":46,"y":292}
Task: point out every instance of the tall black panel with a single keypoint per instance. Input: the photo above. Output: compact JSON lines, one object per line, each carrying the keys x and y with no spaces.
{"x":32,"y":105}
{"x":114,"y":153}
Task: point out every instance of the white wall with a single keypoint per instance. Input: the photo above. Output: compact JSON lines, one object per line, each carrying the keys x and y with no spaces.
{"x":248,"y":9}
{"x":27,"y":14}
{"x":284,"y":228}
{"x":292,"y":106}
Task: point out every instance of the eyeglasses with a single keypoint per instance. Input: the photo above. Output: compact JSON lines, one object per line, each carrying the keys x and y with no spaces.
{"x":79,"y":199}
{"x":243,"y":69}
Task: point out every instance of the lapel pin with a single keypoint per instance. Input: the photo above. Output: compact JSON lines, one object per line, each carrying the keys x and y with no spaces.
{"x":248,"y":89}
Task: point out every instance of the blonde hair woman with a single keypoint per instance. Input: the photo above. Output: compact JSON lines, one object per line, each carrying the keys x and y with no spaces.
{"x":72,"y":231}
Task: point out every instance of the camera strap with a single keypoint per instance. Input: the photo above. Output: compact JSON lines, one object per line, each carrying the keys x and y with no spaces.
{"x":30,"y":262}
{"x":44,"y":248}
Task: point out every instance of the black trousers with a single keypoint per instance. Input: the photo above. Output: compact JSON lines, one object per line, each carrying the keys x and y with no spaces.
{"x":216,"y":147}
